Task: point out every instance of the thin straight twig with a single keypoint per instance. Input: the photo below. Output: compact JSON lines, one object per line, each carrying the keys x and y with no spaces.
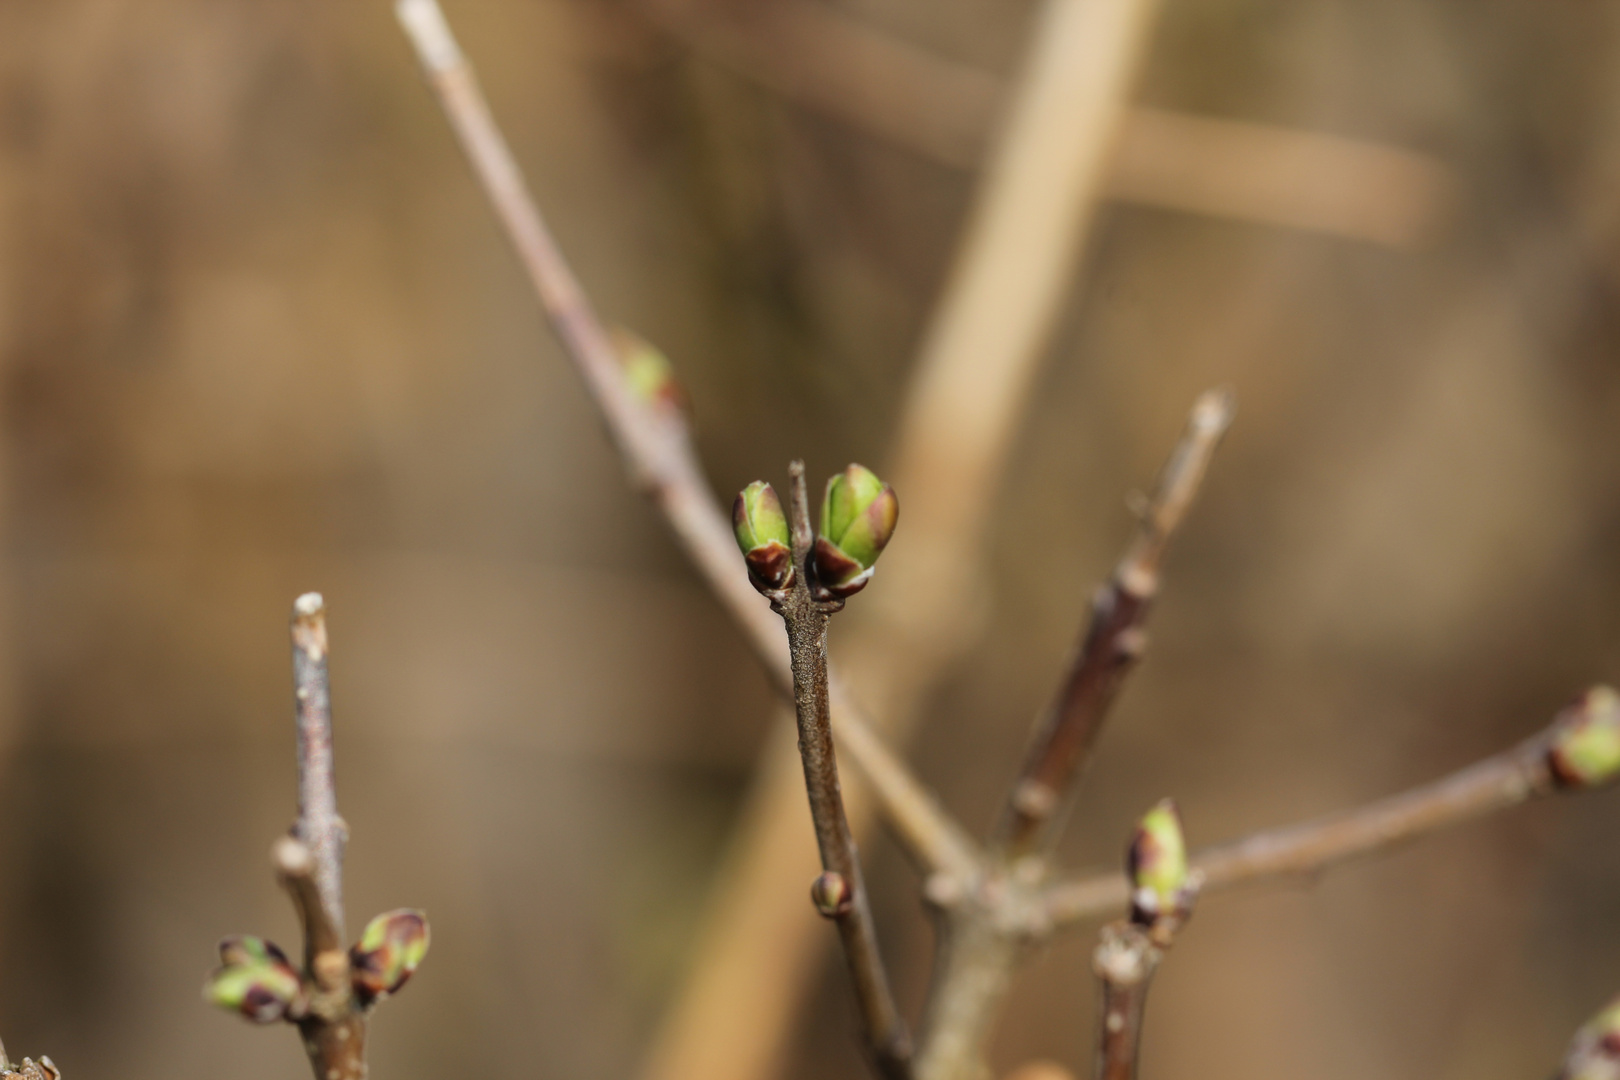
{"x":1124,"y":961}
{"x":845,"y":891}
{"x":319,"y":827}
{"x":1112,"y":644}
{"x":1496,"y":783}
{"x":655,"y":445}
{"x":309,"y":863}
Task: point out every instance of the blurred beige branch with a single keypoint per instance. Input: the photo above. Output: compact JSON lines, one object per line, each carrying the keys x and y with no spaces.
{"x":1266,"y":174}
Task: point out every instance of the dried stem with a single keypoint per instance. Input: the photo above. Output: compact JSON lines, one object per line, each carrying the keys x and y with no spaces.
{"x":1485,"y":787}
{"x":309,"y":863}
{"x":806,"y":619}
{"x":1113,"y":642}
{"x":824,"y":59}
{"x":1125,"y":961}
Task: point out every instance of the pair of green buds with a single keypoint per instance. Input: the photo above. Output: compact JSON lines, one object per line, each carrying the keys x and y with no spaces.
{"x":858,"y":514}
{"x":256,"y":979}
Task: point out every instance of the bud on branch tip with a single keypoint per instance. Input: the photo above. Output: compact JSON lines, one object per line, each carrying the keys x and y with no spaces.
{"x":858,"y":514}
{"x":762,"y":534}
{"x":1162,"y":888}
{"x":1585,"y":749}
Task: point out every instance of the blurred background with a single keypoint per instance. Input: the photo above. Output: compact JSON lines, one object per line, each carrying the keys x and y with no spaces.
{"x":259,"y":334}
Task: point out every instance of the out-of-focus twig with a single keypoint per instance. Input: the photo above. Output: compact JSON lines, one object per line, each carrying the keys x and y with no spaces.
{"x":1124,"y":962}
{"x":1485,"y":787}
{"x":813,"y":54}
{"x":1112,"y":643}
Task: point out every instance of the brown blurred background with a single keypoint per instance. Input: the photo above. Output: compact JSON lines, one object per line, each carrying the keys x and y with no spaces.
{"x":259,"y":335}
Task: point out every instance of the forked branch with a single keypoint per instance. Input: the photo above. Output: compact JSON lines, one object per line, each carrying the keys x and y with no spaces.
{"x":330,"y":996}
{"x":1580,"y":750}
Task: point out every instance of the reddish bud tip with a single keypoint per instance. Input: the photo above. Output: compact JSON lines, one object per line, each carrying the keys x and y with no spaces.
{"x":832,"y":895}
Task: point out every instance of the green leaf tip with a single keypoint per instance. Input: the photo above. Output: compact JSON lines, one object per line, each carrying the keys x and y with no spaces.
{"x":389,"y":952}
{"x":1585,"y":747}
{"x":762,"y":533}
{"x":858,"y":515}
{"x":256,"y":980}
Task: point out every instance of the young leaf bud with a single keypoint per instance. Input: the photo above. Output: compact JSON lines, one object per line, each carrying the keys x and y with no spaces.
{"x":389,"y":951}
{"x":648,"y":371}
{"x":1585,"y":750}
{"x":1157,"y":866}
{"x":832,"y":895}
{"x":1594,"y":1053}
{"x":762,"y":533}
{"x":256,"y":980}
{"x":858,"y":513}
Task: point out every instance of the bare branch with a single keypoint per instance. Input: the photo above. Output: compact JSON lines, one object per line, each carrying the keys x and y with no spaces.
{"x":1125,"y":961}
{"x":841,"y":890}
{"x":309,"y":864}
{"x":655,"y":444}
{"x":1496,"y":783}
{"x":1113,"y":641}
{"x":319,"y":827}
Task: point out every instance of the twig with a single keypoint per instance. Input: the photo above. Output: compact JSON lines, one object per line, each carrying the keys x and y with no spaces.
{"x":309,"y":864}
{"x":841,"y":891}
{"x":1113,"y":641}
{"x":319,"y":827}
{"x":1485,"y":787}
{"x":1125,"y":961}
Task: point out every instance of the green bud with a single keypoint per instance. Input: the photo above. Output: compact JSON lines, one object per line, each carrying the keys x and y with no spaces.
{"x":1594,"y":1053}
{"x":762,"y":534}
{"x":1157,"y":865}
{"x":1585,"y":749}
{"x":648,"y":371}
{"x":389,"y":952}
{"x":858,"y":513}
{"x":256,"y":980}
{"x":832,"y":895}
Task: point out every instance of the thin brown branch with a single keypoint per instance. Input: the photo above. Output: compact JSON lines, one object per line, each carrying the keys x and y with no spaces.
{"x":309,"y":863}
{"x":1124,"y":961}
{"x":842,"y":886}
{"x":1497,"y":783}
{"x":1113,"y":642}
{"x":655,"y":444}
